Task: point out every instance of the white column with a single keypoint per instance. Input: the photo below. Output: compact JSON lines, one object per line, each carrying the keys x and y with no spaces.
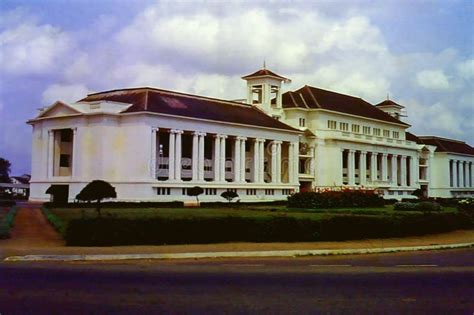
{"x":384,"y":167}
{"x":74,"y":158}
{"x":413,"y":173}
{"x":256,"y":160}
{"x":171,"y":156}
{"x":291,"y":162}
{"x":470,"y":174}
{"x":403,"y":170}
{"x":461,"y":174}
{"x":351,"y":167}
{"x":178,"y":155}
{"x":195,"y":156}
{"x":394,"y":170}
{"x":261,"y":169}
{"x":278,"y":166}
{"x":153,"y":161}
{"x":274,"y":161}
{"x":201,"y":157}
{"x":363,"y":168}
{"x":237,"y":160}
{"x":217,"y":157}
{"x":312,"y":162}
{"x":243,"y":159}
{"x":455,"y":173}
{"x":373,"y":167}
{"x":50,"y":153}
{"x":222,"y":159}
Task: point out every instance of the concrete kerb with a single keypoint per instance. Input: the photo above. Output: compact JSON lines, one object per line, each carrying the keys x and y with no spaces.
{"x":277,"y":253}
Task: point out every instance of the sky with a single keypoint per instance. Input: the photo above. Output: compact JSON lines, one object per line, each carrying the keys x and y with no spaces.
{"x":420,"y":53}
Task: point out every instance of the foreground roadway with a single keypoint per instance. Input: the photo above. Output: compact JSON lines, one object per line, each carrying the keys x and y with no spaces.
{"x":435,"y":282}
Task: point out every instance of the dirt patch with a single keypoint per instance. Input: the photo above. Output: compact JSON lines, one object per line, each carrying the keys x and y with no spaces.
{"x":31,"y":229}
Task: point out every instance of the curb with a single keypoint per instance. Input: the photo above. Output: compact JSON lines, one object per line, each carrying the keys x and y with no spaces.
{"x":278,"y":253}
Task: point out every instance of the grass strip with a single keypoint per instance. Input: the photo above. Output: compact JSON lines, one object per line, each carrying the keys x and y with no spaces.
{"x":7,"y":223}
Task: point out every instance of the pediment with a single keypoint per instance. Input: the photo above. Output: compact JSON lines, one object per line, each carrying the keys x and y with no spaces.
{"x":59,"y":109}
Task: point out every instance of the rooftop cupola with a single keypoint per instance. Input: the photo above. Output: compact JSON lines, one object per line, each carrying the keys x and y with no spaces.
{"x":264,"y":90}
{"x":393,"y":109}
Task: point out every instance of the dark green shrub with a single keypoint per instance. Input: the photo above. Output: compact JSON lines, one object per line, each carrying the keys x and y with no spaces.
{"x":156,"y":231}
{"x":405,"y":206}
{"x":229,"y":195}
{"x":425,"y":206}
{"x":97,"y":190}
{"x":7,"y":203}
{"x":195,"y":192}
{"x":7,"y":223}
{"x":428,"y":206}
{"x":118,"y":204}
{"x":335,"y":199}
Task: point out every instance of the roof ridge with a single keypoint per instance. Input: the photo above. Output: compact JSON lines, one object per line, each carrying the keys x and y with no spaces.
{"x":147,"y":89}
{"x":312,"y":95}
{"x":442,"y":138}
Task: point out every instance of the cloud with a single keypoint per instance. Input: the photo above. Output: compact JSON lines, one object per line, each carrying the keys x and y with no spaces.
{"x":466,"y":69}
{"x":27,"y":47}
{"x":66,"y":93}
{"x":432,"y":79}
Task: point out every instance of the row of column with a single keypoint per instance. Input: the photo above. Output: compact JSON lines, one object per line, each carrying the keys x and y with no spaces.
{"x":219,"y":158}
{"x":384,"y":169}
{"x":460,"y":173}
{"x":52,"y":160}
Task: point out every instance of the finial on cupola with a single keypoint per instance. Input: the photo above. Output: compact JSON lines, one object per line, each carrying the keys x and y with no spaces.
{"x":264,"y":65}
{"x":388,"y":97}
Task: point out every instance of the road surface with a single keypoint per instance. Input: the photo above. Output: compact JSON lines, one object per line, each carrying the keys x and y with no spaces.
{"x":405,"y":283}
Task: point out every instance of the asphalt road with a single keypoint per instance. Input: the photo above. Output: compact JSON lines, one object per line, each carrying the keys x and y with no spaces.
{"x":405,"y":283}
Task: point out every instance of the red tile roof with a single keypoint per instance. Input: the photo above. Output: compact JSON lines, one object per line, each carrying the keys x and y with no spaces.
{"x":411,"y":137}
{"x":447,"y":145}
{"x":173,"y":103}
{"x":315,"y":98}
{"x":265,"y":73}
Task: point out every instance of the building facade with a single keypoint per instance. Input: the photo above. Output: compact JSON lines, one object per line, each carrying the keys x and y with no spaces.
{"x":153,"y":145}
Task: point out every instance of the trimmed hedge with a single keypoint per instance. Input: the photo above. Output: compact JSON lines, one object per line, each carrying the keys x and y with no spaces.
{"x":7,"y":223}
{"x":425,"y":206}
{"x":158,"y":231}
{"x":118,"y":204}
{"x":54,"y":220}
{"x":7,"y":203}
{"x":335,"y":199}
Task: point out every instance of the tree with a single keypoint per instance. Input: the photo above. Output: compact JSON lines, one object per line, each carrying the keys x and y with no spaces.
{"x":229,"y":195}
{"x":97,"y":190}
{"x":195,"y":192}
{"x":5,"y":171}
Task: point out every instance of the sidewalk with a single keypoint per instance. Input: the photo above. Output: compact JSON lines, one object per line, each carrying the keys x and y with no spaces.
{"x":32,"y":235}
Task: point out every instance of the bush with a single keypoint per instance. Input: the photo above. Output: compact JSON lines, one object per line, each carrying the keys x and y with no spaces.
{"x":425,"y":206}
{"x":7,"y":223}
{"x":157,"y":231}
{"x":54,"y":220}
{"x":7,"y":203}
{"x":466,"y":205}
{"x":335,"y":199}
{"x":117,"y":204}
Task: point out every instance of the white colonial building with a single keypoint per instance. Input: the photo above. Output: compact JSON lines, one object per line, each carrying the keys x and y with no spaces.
{"x":153,"y":145}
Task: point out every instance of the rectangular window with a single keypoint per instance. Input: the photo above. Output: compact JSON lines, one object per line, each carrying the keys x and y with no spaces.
{"x":210,"y":191}
{"x":386,"y":133}
{"x":396,"y":134}
{"x":287,"y":191}
{"x":302,"y":122}
{"x":64,"y":160}
{"x":377,"y":132}
{"x":163,"y":191}
{"x":269,"y":191}
{"x":251,"y":192}
{"x":232,"y":190}
{"x":344,"y":126}
{"x":332,"y":124}
{"x":355,"y":128}
{"x":366,"y":130}
{"x":66,"y":135}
